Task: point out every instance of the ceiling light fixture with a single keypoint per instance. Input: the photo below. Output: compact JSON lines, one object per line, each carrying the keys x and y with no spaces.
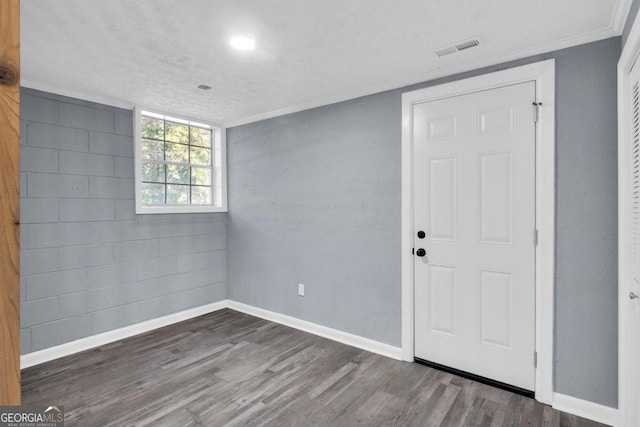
{"x":242,"y":43}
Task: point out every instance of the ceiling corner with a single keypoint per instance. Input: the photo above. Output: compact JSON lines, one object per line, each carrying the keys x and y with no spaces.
{"x":620,"y":14}
{"x":77,"y":94}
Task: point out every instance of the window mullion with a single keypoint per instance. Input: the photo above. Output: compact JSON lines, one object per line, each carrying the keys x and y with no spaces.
{"x":162,"y":162}
{"x":200,"y":186}
{"x":164,"y":144}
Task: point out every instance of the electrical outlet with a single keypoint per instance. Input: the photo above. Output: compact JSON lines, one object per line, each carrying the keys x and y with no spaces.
{"x":300,"y":289}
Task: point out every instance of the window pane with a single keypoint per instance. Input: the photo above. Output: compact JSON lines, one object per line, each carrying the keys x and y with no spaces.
{"x":176,"y":153}
{"x":178,"y":174}
{"x":177,"y":132}
{"x":200,"y":195}
{"x":153,"y":172}
{"x":152,"y":194}
{"x":152,"y":149}
{"x":201,"y":137}
{"x":177,"y":162}
{"x":177,"y":194}
{"x":200,"y":176}
{"x":200,"y":156}
{"x":152,"y":128}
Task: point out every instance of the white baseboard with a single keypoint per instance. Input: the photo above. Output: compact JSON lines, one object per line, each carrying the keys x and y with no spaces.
{"x":67,"y":349}
{"x":323,"y":331}
{"x":585,"y":409}
{"x":51,"y":353}
{"x":582,"y":408}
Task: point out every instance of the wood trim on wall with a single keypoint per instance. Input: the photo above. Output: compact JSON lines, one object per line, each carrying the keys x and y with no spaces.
{"x":10,"y":202}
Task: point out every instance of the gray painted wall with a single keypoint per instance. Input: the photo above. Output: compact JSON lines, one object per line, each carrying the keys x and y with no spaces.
{"x":315,"y":199}
{"x":633,"y":12}
{"x":88,"y":263}
{"x":586,"y":341}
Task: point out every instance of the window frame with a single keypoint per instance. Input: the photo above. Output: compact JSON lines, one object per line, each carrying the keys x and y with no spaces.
{"x":218,"y":168}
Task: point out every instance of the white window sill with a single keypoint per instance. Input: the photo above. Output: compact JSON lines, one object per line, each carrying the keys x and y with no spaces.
{"x":144,"y":210}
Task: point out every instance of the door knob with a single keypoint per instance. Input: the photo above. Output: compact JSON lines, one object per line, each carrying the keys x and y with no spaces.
{"x":421,"y":252}
{"x":633,"y":295}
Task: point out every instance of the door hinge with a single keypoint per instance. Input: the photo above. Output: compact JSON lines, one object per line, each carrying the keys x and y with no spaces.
{"x":536,"y":112}
{"x":535,"y":359}
{"x":535,"y":237}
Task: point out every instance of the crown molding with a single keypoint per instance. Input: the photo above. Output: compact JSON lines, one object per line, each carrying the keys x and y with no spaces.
{"x":620,"y":15}
{"x":81,"y":95}
{"x":617,"y":23}
{"x":543,"y":48}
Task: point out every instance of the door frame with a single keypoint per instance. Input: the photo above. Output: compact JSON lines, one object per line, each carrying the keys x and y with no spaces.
{"x":630,"y":52}
{"x":543,"y":73}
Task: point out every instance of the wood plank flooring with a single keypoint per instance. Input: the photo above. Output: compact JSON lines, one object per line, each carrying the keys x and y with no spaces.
{"x":228,"y":368}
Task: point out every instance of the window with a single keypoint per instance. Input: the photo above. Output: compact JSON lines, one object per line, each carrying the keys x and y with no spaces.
{"x":180,"y":165}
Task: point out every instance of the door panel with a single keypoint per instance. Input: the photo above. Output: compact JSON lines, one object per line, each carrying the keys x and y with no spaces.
{"x":442,"y":198}
{"x":442,"y":299}
{"x":442,"y":128}
{"x":495,"y":193}
{"x":474,"y":196}
{"x":496,"y":308}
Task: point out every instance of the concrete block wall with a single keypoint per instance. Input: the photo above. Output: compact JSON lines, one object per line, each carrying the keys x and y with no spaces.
{"x":89,"y":264}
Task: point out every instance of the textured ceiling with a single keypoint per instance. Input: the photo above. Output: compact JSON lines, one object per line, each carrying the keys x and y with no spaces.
{"x":154,"y":53}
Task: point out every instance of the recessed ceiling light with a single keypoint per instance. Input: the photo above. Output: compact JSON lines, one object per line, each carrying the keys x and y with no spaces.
{"x":204,"y":87}
{"x":242,"y":43}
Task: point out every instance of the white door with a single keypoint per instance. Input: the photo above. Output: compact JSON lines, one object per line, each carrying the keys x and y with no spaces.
{"x":474,"y":199}
{"x":630,"y":285}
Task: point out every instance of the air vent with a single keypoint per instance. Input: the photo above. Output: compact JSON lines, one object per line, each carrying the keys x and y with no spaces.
{"x":457,"y":47}
{"x":446,"y":51}
{"x":468,"y":44}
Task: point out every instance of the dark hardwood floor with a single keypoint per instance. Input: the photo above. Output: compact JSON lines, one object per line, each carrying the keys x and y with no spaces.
{"x":228,"y":368}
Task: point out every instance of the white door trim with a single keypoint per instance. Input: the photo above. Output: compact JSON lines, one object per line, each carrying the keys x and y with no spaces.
{"x":629,"y":54}
{"x":543,"y":73}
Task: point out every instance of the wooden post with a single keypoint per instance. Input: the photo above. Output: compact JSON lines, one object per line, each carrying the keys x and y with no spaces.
{"x":10,"y":202}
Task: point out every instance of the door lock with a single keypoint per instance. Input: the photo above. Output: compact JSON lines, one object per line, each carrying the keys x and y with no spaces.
{"x":421,"y":252}
{"x":421,"y":234}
